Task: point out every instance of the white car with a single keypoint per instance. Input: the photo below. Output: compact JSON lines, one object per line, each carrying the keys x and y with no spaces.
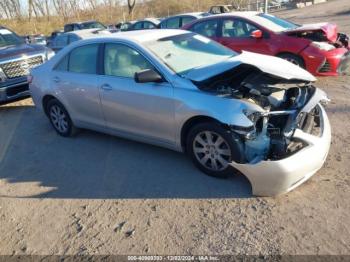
{"x":253,"y":113}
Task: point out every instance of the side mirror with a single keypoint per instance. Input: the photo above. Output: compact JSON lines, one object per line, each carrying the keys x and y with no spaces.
{"x":148,"y":76}
{"x":257,"y":34}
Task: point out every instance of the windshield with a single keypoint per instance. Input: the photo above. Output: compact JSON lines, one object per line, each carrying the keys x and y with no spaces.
{"x":8,"y":38}
{"x":92,"y":25}
{"x":184,"y":52}
{"x":279,"y":23}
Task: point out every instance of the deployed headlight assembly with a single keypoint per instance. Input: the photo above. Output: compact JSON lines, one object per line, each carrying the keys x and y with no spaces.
{"x":2,"y":75}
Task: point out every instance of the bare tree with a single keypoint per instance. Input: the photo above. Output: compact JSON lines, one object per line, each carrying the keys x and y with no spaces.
{"x":131,"y":7}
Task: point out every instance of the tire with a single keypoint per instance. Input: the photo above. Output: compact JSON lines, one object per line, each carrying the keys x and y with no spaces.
{"x":60,"y":119}
{"x":213,"y":157}
{"x":294,"y":59}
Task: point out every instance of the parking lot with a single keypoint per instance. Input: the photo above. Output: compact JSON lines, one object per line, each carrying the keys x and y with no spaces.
{"x":97,"y":194}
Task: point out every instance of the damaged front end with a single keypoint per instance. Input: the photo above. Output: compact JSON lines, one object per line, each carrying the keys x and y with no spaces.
{"x":333,"y":45}
{"x":288,"y":107}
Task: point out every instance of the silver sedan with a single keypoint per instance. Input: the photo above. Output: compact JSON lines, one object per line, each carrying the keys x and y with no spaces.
{"x":229,"y":112}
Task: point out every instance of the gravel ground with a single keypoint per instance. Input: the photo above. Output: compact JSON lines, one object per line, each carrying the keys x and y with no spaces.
{"x":96,"y":194}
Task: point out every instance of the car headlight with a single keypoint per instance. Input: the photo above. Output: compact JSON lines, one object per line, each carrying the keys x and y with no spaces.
{"x":2,"y":75}
{"x":323,"y":46}
{"x":49,"y":54}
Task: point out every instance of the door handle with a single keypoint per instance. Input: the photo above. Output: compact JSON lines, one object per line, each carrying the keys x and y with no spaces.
{"x":56,"y":79}
{"x":106,"y":87}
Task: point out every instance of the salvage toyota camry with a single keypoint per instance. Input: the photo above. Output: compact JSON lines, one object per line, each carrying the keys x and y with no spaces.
{"x":252,"y":114}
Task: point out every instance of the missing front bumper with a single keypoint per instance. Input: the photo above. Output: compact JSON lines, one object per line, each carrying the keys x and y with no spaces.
{"x":270,"y":178}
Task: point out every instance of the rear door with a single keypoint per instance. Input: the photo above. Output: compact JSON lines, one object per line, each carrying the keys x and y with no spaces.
{"x":236,"y":35}
{"x":130,"y":108}
{"x":75,"y":79}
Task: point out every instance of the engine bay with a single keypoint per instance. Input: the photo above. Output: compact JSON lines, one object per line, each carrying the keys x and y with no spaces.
{"x":271,"y":136}
{"x":320,"y":37}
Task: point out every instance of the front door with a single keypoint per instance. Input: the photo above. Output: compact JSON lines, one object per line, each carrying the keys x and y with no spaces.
{"x":236,"y":35}
{"x":142,"y":109}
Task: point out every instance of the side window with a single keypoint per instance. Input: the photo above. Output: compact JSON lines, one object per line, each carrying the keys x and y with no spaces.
{"x":73,"y":38}
{"x":237,"y":28}
{"x":83,"y":59}
{"x":68,"y":28}
{"x":187,"y":19}
{"x":123,"y":61}
{"x":148,"y":25}
{"x":173,"y":23}
{"x":206,"y":28}
{"x":76,"y":27}
{"x":138,"y":26}
{"x":61,"y":40}
{"x":63,"y":64}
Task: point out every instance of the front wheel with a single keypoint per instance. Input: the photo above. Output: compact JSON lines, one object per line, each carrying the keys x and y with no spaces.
{"x":212,"y":148}
{"x":294,"y":59}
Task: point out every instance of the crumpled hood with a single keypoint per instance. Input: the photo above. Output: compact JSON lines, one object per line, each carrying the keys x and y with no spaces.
{"x":267,"y":64}
{"x":330,"y":30}
{"x":17,"y":50}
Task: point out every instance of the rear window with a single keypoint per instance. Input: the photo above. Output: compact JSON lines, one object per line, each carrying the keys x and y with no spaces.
{"x":83,"y":59}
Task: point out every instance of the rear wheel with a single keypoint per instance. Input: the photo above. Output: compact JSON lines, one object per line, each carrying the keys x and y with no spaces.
{"x":212,"y":148}
{"x":60,"y":119}
{"x":294,"y":59}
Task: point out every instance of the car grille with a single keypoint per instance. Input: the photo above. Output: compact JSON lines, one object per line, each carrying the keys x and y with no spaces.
{"x":326,"y":67}
{"x":21,"y":67}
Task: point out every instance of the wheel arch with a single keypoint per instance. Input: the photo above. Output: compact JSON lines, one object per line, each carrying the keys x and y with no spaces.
{"x":46,"y":99}
{"x":195,"y":120}
{"x":290,"y":53}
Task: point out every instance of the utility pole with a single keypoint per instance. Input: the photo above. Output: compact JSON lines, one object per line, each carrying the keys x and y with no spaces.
{"x":266,"y":6}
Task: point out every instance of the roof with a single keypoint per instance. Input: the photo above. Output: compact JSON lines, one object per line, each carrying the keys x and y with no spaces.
{"x":152,"y":20}
{"x":81,"y":22}
{"x":86,"y":33}
{"x":142,"y":36}
{"x":245,"y":14}
{"x":254,"y":17}
{"x":195,"y":14}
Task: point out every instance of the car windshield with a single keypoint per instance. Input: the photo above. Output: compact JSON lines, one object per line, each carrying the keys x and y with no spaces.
{"x":185,"y":52}
{"x":8,"y":38}
{"x":91,"y":25}
{"x":279,"y":24}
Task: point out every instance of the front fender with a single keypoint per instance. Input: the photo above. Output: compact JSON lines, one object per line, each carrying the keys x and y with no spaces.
{"x":192,"y":103}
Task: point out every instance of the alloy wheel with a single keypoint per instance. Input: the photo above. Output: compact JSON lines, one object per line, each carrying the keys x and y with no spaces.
{"x":59,"y":119}
{"x":212,"y":150}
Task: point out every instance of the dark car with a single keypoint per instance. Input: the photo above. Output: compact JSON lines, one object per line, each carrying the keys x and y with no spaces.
{"x":178,"y":21}
{"x":83,"y":25}
{"x":16,"y":59}
{"x":52,"y":37}
{"x":148,"y":23}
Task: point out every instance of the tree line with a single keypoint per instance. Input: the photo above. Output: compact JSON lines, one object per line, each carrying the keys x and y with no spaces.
{"x":45,"y":16}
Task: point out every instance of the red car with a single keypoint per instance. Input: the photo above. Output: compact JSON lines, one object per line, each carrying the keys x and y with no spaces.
{"x":318,"y":48}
